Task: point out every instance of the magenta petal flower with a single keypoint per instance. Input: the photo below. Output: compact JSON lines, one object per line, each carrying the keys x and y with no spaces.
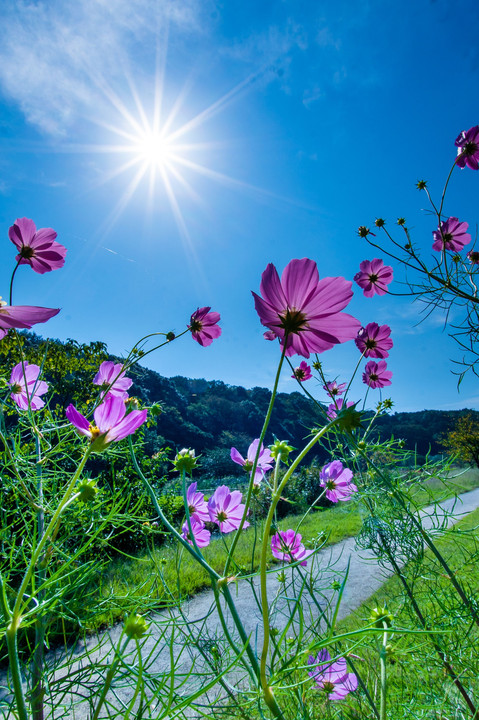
{"x":333,"y":389}
{"x":374,"y":277}
{"x":203,"y":326}
{"x":287,"y":546}
{"x":26,"y":387}
{"x":451,"y":235}
{"x":111,"y":422}
{"x":467,"y":143}
{"x":226,"y":509}
{"x":201,"y":534}
{"x":374,"y":341}
{"x":197,"y":504}
{"x":336,"y":407}
{"x":303,"y":372}
{"x":332,"y":677}
{"x":265,"y":460}
{"x":36,"y":248}
{"x":376,"y":375}
{"x":111,"y":377}
{"x":304,"y":310}
{"x":23,"y":316}
{"x":337,"y":481}
{"x":473,"y":256}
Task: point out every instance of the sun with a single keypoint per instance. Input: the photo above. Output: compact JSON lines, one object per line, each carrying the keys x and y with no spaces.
{"x":154,"y":149}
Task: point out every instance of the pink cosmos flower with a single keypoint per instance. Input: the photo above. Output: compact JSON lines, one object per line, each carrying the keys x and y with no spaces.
{"x":203,"y":326}
{"x":374,"y":277}
{"x":332,"y":677}
{"x":305,"y":310}
{"x":112,"y":376}
{"x":197,"y":504}
{"x":374,"y":341}
{"x":36,"y":248}
{"x":303,"y":372}
{"x":25,"y":386}
{"x":226,"y":509}
{"x":22,"y":316}
{"x":287,"y":546}
{"x":333,"y":389}
{"x":337,"y":481}
{"x":376,"y":375}
{"x":336,"y":407}
{"x":473,"y":256}
{"x":451,"y":235}
{"x":265,"y":460}
{"x":111,"y":422}
{"x":467,"y":143}
{"x":201,"y":534}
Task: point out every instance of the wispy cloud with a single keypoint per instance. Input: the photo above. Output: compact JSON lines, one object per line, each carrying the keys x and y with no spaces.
{"x":57,"y":55}
{"x":271,"y":49}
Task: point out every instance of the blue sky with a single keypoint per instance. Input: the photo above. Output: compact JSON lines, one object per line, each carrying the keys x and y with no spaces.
{"x":293,"y":123}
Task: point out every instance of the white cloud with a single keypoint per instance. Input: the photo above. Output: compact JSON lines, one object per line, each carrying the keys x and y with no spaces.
{"x":271,"y":50}
{"x":56,"y":55}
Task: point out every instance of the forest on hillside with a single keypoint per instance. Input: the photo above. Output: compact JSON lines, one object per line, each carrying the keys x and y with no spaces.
{"x":210,"y":415}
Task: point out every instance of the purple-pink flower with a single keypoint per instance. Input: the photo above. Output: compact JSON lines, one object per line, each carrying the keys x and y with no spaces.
{"x":336,"y":407}
{"x":265,"y":461}
{"x":376,"y":375}
{"x":467,"y":143}
{"x":374,"y":277}
{"x":304,"y":311}
{"x":36,"y":248}
{"x":22,"y":316}
{"x":286,"y":545}
{"x":303,"y":372}
{"x":112,"y":379}
{"x":203,"y":326}
{"x":337,"y":480}
{"x":333,"y":389}
{"x":25,"y":386}
{"x":226,"y":509}
{"x":473,"y":256}
{"x":374,"y":340}
{"x":197,"y":504}
{"x":332,"y":677}
{"x":111,"y":422}
{"x":451,"y":235}
{"x":201,"y":534}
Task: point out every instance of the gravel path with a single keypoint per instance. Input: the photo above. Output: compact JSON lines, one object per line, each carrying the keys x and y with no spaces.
{"x":365,"y":577}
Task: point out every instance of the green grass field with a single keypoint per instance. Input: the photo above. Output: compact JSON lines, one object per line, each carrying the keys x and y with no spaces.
{"x":140,"y":582}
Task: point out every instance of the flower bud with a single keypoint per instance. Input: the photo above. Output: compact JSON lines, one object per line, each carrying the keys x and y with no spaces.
{"x":170,"y":336}
{"x":281,"y":448}
{"x":381,"y":617}
{"x":185,"y":460}
{"x":379,"y":222}
{"x":155,"y":409}
{"x":87,"y":490}
{"x":401,"y":221}
{"x":363,"y":231}
{"x":421,"y":184}
{"x":132,"y":403}
{"x":135,"y":626}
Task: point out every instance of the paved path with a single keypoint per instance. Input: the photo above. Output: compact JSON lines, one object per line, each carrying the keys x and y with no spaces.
{"x":365,"y":577}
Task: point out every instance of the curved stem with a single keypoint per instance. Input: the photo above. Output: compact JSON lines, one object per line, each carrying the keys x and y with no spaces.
{"x":10,"y":294}
{"x":261,"y":438}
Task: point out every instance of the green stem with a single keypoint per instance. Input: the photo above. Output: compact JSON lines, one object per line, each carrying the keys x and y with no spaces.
{"x":382,"y":661}
{"x":267,"y":690}
{"x":51,"y":526}
{"x":110,"y":675}
{"x":38,"y":689}
{"x":261,"y":438}
{"x":214,"y":576}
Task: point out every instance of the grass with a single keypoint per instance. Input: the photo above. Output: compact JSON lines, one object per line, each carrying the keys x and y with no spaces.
{"x":417,"y":680}
{"x":150,"y":581}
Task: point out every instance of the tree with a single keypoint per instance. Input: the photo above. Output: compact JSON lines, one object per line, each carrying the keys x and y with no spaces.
{"x":463,"y":440}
